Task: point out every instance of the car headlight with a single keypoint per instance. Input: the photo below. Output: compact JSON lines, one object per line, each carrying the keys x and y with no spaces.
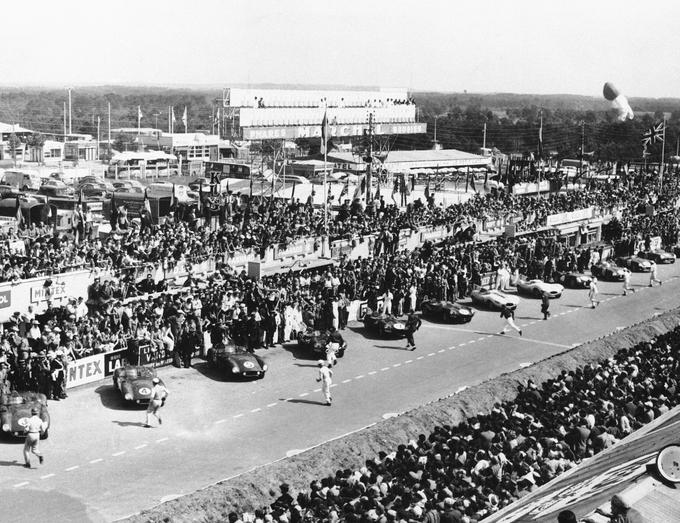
{"x":399,"y":326}
{"x":235,"y":369}
{"x":5,"y":427}
{"x":463,"y":312}
{"x":128,"y":396}
{"x":264,"y":367}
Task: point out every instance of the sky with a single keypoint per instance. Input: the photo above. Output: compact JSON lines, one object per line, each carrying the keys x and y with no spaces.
{"x":521,"y":46}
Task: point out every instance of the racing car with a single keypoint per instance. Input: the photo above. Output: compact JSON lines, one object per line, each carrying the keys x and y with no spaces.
{"x":493,"y":299}
{"x":538,"y":287}
{"x":15,"y":409}
{"x":574,"y":280}
{"x":634,"y":263}
{"x":316,"y":342}
{"x":235,"y":361}
{"x":447,"y":311}
{"x":658,"y":256}
{"x":386,"y":325}
{"x":134,"y":382}
{"x":608,"y":271}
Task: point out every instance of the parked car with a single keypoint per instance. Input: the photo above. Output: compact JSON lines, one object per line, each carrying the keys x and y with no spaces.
{"x":608,"y":271}
{"x":15,"y":409}
{"x":446,"y":311}
{"x":56,"y":189}
{"x":134,"y":382}
{"x":537,"y":288}
{"x":235,"y":361}
{"x":658,"y":256}
{"x":315,"y":343}
{"x":634,"y":263}
{"x":573,"y":280}
{"x":385,"y":325}
{"x":92,"y":190}
{"x":493,"y":299}
{"x":136,"y":185}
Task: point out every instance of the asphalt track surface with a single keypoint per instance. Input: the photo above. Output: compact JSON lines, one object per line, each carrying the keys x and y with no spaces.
{"x":102,"y":464}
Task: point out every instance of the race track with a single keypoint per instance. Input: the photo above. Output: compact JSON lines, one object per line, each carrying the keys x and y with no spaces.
{"x":102,"y":465}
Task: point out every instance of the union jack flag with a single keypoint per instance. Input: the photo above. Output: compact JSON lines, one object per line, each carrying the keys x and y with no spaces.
{"x":653,"y":135}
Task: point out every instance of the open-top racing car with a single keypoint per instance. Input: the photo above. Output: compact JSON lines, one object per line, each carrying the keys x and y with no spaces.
{"x":493,"y":299}
{"x":235,"y":361}
{"x":446,"y":311}
{"x":315,"y":342}
{"x":15,"y":409}
{"x":385,"y":325}
{"x":134,"y":382}
{"x":538,"y":287}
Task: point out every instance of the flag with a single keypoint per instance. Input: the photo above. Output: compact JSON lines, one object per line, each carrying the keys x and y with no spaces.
{"x":173,"y":116}
{"x":377,"y":192}
{"x":324,"y":133}
{"x":114,"y":211}
{"x":653,"y":134}
{"x":427,"y":189}
{"x":200,"y":197}
{"x":139,"y":113}
{"x":18,"y":214}
{"x":345,"y":190}
{"x":173,"y":199}
{"x":80,"y":200}
{"x":540,"y":139}
{"x":360,"y":188}
{"x":147,"y":203}
{"x":185,"y":119}
{"x":292,"y":193}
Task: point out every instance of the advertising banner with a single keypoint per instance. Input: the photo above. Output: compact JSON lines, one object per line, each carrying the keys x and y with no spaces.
{"x":85,"y":370}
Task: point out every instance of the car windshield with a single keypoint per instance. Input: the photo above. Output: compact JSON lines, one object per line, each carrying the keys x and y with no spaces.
{"x":139,"y":372}
{"x":13,"y":399}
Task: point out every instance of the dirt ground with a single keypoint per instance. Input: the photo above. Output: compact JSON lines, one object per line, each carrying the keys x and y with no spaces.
{"x":259,"y":487}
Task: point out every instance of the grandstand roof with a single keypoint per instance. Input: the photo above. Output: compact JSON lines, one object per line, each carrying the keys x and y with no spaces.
{"x":429,"y":158}
{"x":626,"y":469}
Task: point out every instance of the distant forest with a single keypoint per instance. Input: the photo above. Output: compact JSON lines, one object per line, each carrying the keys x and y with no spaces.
{"x":512,"y":120}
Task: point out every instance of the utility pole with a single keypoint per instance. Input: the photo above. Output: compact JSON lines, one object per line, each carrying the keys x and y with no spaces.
{"x":663,"y":153}
{"x":484,"y":140}
{"x":70,"y":129}
{"x":435,"y":129}
{"x":369,"y":157}
{"x":64,"y":121}
{"x":109,"y":132}
{"x":583,"y":144}
{"x":98,"y":137}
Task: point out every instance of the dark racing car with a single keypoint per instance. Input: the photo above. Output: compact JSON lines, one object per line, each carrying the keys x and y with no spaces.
{"x":315,"y":342}
{"x":15,"y":409}
{"x":134,"y":382}
{"x":574,"y":280}
{"x":658,"y":256}
{"x":634,"y":263}
{"x":447,"y":311}
{"x":235,"y":361}
{"x":608,"y":271}
{"x":385,"y":325}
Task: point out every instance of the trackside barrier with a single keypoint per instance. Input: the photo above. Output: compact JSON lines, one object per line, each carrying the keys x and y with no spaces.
{"x":94,"y":368}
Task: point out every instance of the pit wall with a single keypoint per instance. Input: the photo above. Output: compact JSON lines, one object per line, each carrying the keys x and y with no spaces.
{"x":258,"y":487}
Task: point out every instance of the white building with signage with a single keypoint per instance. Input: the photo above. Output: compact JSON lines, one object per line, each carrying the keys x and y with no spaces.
{"x":279,"y":114}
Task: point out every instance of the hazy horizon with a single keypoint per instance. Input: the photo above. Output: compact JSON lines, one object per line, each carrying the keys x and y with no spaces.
{"x":522,"y":47}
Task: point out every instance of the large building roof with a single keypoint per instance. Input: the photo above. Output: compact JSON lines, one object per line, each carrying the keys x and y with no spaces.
{"x":430,"y":158}
{"x":12,"y":128}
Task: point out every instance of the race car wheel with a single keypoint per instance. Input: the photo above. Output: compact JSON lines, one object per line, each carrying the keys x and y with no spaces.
{"x":537,"y":292}
{"x":211,"y":357}
{"x":45,"y":434}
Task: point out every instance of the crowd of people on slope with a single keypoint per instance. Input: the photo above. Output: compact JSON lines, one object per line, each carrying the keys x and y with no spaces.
{"x":466,"y":472}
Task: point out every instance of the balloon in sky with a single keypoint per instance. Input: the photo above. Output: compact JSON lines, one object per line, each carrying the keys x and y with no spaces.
{"x":619,"y":101}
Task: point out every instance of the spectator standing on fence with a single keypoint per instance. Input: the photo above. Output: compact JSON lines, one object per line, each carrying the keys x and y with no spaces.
{"x":653,"y":275}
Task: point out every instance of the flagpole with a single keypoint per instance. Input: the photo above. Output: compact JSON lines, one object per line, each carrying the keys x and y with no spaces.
{"x":663,"y":152}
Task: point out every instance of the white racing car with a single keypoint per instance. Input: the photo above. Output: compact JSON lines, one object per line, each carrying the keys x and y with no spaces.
{"x":493,"y":299}
{"x":538,"y":287}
